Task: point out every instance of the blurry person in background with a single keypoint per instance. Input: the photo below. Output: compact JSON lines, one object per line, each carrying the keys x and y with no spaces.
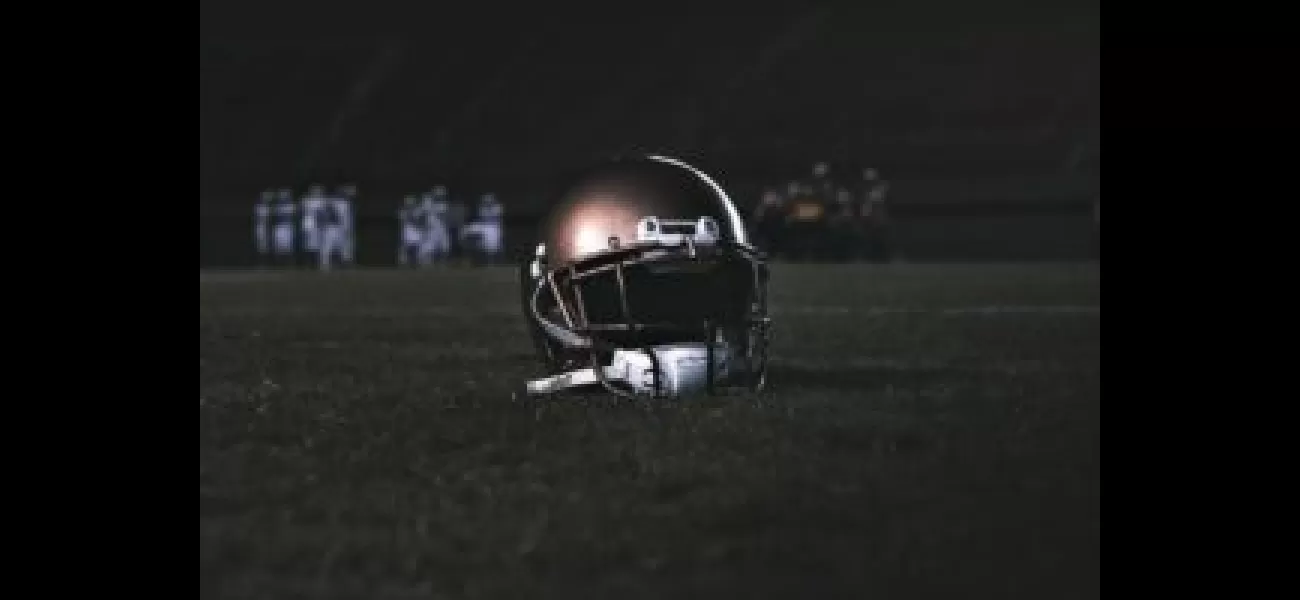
{"x":873,"y":186}
{"x":312,"y":204}
{"x":874,"y":213}
{"x":262,"y":227}
{"x":482,"y":236}
{"x":793,"y":191}
{"x":805,"y":222}
{"x":411,"y":219}
{"x":815,"y":215}
{"x":283,"y":226}
{"x":821,"y":184}
{"x":871,"y":179}
{"x":332,"y":224}
{"x":437,"y":235}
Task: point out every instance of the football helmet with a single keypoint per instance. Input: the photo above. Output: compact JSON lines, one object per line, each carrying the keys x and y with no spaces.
{"x":644,"y":281}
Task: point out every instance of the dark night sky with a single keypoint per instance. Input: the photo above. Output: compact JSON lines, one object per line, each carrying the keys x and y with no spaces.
{"x":485,"y":35}
{"x":300,"y":19}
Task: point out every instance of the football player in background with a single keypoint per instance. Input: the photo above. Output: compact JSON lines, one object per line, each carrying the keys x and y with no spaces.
{"x":411,"y":219}
{"x":483,"y":234}
{"x":437,"y":235}
{"x":283,"y":226}
{"x":804,"y":227}
{"x":822,"y":185}
{"x":313,"y":203}
{"x":333,"y":222}
{"x":262,"y":227}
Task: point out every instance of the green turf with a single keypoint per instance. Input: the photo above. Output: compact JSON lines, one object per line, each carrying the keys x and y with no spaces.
{"x":930,"y":431}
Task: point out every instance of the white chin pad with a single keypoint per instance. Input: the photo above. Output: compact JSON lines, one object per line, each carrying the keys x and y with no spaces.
{"x":683,"y":367}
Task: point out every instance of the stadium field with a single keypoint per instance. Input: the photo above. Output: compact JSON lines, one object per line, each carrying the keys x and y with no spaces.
{"x":929,"y":431}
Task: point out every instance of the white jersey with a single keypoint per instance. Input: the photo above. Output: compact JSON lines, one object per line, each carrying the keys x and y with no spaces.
{"x":411,"y":217}
{"x":335,"y":230}
{"x":282,"y":225}
{"x":332,"y":212}
{"x":312,"y":207}
{"x":262,"y":216}
{"x":437,"y":209}
{"x":485,"y":230}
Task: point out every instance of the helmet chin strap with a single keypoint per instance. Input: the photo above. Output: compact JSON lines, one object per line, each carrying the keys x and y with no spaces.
{"x":666,"y":371}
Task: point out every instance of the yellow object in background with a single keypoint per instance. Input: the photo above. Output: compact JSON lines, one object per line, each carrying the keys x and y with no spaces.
{"x":807,"y":211}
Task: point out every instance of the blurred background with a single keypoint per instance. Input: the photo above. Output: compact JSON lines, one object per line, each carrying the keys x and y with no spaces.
{"x":346,"y":134}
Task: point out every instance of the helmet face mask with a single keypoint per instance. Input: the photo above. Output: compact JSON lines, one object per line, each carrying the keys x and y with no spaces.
{"x":672,"y":305}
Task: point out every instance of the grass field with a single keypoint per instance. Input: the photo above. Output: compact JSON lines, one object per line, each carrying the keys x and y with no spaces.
{"x":929,"y":431}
